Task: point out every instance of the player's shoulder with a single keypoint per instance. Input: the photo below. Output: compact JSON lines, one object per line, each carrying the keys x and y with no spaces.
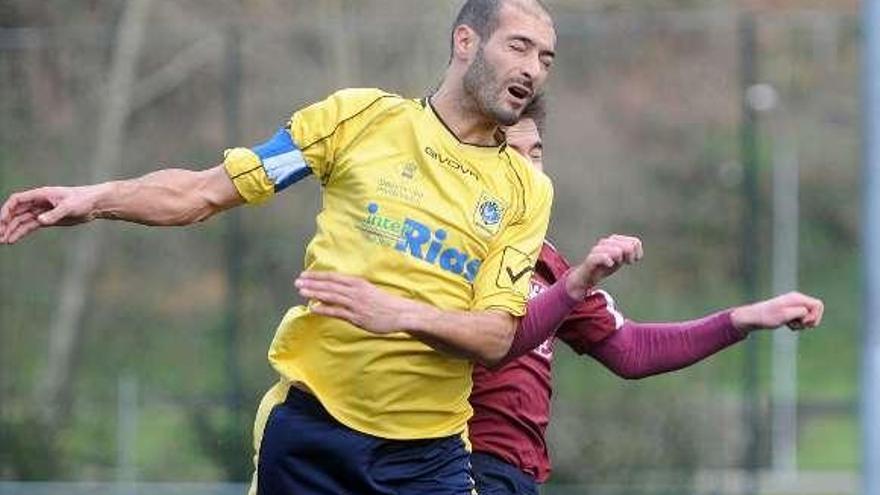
{"x":346,"y":110}
{"x":357,"y":100}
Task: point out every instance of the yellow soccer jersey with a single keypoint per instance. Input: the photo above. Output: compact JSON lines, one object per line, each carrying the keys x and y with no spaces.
{"x":416,"y":212}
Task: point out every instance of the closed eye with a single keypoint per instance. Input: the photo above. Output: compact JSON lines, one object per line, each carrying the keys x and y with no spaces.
{"x":518,"y":45}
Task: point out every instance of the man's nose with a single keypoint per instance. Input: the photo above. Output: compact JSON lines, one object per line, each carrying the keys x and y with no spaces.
{"x":533,"y":69}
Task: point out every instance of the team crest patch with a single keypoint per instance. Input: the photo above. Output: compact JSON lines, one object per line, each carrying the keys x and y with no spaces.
{"x":515,"y":271}
{"x":488,"y":214}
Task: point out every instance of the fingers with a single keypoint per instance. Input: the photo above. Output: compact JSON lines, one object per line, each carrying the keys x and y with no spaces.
{"x":623,"y":249}
{"x":335,"y":312}
{"x":609,"y":251}
{"x":795,"y":325}
{"x":607,"y":256}
{"x":801,"y":311}
{"x":617,"y":249}
{"x":7,"y":211}
{"x":601,"y":259}
{"x":631,"y":245}
{"x":27,"y":211}
{"x":353,"y":299}
{"x":20,"y":226}
{"x":54,"y":215}
{"x":333,"y":296}
{"x":793,"y":316}
{"x":338,"y":278}
{"x":816,"y":310}
{"x":325,"y":291}
{"x":13,"y":213}
{"x":23,"y":200}
{"x":326,"y":297}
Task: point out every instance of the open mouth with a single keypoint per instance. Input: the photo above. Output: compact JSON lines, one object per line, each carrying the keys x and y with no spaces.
{"x":519,"y":92}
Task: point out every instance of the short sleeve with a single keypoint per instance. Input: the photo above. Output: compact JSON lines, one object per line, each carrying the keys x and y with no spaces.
{"x":266,"y":169}
{"x":323,"y":130}
{"x":307,"y":144}
{"x":502,"y":281}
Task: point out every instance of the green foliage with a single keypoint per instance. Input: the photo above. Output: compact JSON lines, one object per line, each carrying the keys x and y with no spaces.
{"x":29,"y":452}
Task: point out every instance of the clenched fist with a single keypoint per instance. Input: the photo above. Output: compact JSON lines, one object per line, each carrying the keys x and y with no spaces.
{"x":605,"y":258}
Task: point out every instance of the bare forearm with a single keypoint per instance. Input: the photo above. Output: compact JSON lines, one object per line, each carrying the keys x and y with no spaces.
{"x":166,"y":197}
{"x":443,"y":347}
{"x":170,"y":197}
{"x":481,"y":336}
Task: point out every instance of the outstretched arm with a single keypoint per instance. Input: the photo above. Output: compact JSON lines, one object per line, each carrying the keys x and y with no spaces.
{"x":638,"y":350}
{"x":169,"y":197}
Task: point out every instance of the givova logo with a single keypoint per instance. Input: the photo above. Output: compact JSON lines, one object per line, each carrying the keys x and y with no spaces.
{"x":416,"y":239}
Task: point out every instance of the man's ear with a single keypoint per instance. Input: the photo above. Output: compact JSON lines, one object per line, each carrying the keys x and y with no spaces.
{"x":465,"y":42}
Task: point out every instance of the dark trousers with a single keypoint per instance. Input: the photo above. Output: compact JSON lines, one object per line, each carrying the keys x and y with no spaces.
{"x":497,"y":477}
{"x":305,"y":451}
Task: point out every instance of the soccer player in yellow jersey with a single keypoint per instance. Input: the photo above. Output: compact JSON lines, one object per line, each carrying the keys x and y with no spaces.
{"x":420,"y":197}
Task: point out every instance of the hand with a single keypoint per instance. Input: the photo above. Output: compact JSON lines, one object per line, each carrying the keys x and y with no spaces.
{"x":606,"y":257}
{"x":27,"y":211}
{"x":794,"y":309}
{"x":353,"y":299}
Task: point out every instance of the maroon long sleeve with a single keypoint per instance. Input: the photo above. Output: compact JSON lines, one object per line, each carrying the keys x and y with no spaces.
{"x":512,"y":403}
{"x":544,"y":313}
{"x":637,"y":350}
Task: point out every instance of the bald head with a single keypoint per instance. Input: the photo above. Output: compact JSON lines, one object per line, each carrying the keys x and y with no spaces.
{"x":483,"y":15}
{"x":502,"y":53}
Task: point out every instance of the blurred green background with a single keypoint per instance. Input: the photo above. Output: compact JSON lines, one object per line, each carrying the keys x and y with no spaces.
{"x":129,"y":353}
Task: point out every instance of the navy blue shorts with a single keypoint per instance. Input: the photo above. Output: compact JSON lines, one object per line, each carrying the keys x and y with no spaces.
{"x":497,"y":477}
{"x":306,"y":452}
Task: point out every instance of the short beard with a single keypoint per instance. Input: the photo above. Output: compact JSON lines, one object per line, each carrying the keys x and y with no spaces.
{"x":482,"y":85}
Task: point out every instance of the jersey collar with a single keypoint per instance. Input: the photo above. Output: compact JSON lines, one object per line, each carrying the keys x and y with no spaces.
{"x":501,"y":147}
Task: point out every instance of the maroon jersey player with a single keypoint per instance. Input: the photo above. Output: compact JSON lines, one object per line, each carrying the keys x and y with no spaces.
{"x":512,"y":401}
